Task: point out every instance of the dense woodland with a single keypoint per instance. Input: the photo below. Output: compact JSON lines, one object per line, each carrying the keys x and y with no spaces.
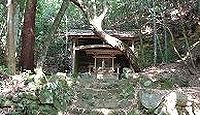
{"x":34,"y":41}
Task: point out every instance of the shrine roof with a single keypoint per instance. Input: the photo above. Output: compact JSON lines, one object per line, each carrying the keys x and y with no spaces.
{"x":77,"y":34}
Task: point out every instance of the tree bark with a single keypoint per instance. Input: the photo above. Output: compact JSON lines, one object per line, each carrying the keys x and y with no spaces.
{"x":198,"y":8}
{"x":10,"y":46}
{"x":28,"y":36}
{"x":50,"y":36}
{"x":96,"y":25}
{"x":198,"y":5}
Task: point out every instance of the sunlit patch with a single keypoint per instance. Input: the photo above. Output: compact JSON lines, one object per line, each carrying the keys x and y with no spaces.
{"x":60,"y":113}
{"x":171,"y":103}
{"x":174,"y":14}
{"x":146,"y":30}
{"x":173,"y":70}
{"x":69,"y":82}
{"x":104,"y":111}
{"x":61,"y":74}
{"x":189,"y":108}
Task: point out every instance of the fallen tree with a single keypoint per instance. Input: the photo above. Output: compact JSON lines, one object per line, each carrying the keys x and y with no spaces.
{"x":95,"y":22}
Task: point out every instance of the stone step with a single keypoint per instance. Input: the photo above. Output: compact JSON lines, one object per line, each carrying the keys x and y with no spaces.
{"x":104,"y":94}
{"x":98,"y":111}
{"x":101,"y":103}
{"x":101,"y":84}
{"x":95,"y":94}
{"x":98,"y":81}
{"x":99,"y":92}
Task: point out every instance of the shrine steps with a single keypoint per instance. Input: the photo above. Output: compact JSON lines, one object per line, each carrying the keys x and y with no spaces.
{"x":99,"y":97}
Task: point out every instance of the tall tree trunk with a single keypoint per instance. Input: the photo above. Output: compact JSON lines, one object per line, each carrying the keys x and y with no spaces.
{"x":50,"y":36}
{"x":28,"y":36}
{"x":11,"y":62}
{"x":198,"y":8}
{"x":166,"y":46}
{"x":155,"y":36}
{"x":96,"y":25}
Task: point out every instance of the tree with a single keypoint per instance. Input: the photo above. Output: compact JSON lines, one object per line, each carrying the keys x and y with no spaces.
{"x":95,"y":22}
{"x":53,"y":29}
{"x":198,"y":9}
{"x":28,"y":36}
{"x":11,"y":62}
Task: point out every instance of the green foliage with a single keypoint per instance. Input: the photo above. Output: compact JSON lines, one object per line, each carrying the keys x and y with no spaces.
{"x":127,"y":90}
{"x":2,"y":32}
{"x":76,"y":19}
{"x":22,"y":4}
{"x":46,"y":12}
{"x":47,"y":99}
{"x":4,"y":70}
{"x":134,"y":112}
{"x":146,"y":59}
{"x":92,"y":112}
{"x":88,"y":98}
{"x":2,"y":101}
{"x":59,"y":61}
{"x":162,"y":83}
{"x":166,"y":83}
{"x":2,"y":53}
{"x":145,"y":82}
{"x":118,"y":113}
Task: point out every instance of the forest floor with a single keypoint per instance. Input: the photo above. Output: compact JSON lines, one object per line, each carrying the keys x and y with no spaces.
{"x":182,"y":76}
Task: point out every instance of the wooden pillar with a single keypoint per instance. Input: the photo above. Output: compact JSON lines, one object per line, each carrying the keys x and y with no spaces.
{"x":73,"y":56}
{"x":103,"y":63}
{"x":132,"y":45}
{"x":117,"y":69}
{"x":89,"y":69}
{"x":113,"y":64}
{"x":95,"y":62}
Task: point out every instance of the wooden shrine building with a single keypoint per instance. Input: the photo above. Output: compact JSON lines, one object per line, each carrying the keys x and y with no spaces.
{"x":90,"y":53}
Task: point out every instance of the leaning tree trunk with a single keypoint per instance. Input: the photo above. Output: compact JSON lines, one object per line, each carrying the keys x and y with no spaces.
{"x":96,"y":25}
{"x":50,"y":36}
{"x":10,"y":44}
{"x":28,"y":36}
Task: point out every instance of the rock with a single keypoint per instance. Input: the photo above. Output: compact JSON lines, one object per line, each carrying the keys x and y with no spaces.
{"x":147,"y":83}
{"x":39,"y":77}
{"x":196,"y":109}
{"x":177,"y":102}
{"x":168,"y":106}
{"x":128,"y":74}
{"x":150,"y":100}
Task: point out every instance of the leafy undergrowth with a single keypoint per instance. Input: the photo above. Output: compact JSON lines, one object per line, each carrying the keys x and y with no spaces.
{"x":23,"y":95}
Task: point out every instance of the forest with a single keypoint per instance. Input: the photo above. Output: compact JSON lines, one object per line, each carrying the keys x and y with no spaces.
{"x":100,"y":57}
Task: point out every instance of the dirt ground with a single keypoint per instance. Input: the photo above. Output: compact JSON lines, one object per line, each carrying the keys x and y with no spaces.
{"x":183,"y":73}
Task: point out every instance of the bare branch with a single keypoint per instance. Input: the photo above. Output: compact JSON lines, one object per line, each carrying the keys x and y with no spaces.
{"x":101,"y":17}
{"x":79,"y":3}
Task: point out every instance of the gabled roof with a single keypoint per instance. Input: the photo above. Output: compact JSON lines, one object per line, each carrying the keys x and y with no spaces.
{"x":76,"y":34}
